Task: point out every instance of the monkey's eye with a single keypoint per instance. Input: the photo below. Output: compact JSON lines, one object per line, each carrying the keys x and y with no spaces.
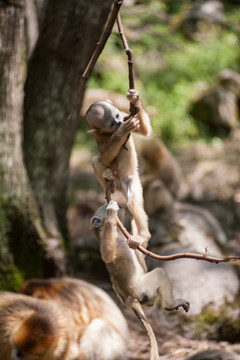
{"x":117,"y":116}
{"x":97,"y":222}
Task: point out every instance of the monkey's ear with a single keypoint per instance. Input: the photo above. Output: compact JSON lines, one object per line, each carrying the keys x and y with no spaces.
{"x":96,"y":222}
{"x":92,"y":131}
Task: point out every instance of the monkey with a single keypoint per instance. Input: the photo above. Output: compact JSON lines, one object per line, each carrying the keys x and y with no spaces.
{"x":31,"y":329}
{"x":130,"y":279}
{"x":97,"y":329}
{"x":160,"y":174}
{"x":117,"y":160}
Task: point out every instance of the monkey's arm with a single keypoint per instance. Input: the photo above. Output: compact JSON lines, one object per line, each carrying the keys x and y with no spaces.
{"x":110,"y":150}
{"x":145,"y":127}
{"x":109,"y":234}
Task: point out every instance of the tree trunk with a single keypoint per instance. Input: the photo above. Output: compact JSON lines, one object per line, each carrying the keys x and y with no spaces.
{"x":18,"y":209}
{"x":69,"y":34}
{"x":32,"y":214}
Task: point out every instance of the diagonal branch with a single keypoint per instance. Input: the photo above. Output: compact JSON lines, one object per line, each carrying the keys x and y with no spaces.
{"x":97,"y":52}
{"x":203,"y":257}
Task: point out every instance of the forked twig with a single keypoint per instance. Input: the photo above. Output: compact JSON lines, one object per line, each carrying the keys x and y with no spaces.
{"x":203,"y":257}
{"x":97,"y":52}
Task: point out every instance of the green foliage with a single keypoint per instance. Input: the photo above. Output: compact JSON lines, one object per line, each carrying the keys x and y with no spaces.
{"x":170,"y":69}
{"x":10,"y":278}
{"x":220,"y":325}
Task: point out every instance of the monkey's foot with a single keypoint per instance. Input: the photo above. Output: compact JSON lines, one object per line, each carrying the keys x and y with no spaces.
{"x":133,"y":97}
{"x":179,"y":303}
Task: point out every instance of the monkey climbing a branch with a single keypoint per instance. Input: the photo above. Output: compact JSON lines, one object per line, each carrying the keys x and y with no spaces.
{"x":117,"y":160}
{"x":130,"y":279}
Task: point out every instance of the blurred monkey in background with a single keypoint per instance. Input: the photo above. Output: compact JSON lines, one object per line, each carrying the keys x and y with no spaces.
{"x":31,"y":329}
{"x":97,"y":329}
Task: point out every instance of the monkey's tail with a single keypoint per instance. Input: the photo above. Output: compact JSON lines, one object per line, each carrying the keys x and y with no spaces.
{"x":142,"y":317}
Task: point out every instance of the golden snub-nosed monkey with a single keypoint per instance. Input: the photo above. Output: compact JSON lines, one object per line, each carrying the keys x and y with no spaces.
{"x":128,"y":272}
{"x":117,"y":158}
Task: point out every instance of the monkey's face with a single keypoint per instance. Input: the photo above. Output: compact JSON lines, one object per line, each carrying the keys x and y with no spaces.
{"x":97,"y":220}
{"x":104,"y":117}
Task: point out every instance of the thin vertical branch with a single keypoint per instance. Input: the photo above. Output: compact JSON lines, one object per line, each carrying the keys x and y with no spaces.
{"x":97,"y":52}
{"x":129,"y":53}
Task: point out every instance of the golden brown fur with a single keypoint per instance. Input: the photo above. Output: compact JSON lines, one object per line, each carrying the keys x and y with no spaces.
{"x":31,"y":329}
{"x":96,"y":327}
{"x":160,"y":173}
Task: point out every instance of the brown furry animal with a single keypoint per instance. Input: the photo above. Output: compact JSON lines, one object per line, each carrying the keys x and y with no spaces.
{"x":96,"y":327}
{"x":160,"y":174}
{"x":31,"y":329}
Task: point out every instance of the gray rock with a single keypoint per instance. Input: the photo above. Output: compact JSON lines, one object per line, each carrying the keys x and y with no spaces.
{"x":214,"y":354}
{"x":200,"y":282}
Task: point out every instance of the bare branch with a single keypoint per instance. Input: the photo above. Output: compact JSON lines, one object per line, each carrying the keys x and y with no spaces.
{"x":97,"y":52}
{"x":203,"y":257}
{"x":129,"y":53}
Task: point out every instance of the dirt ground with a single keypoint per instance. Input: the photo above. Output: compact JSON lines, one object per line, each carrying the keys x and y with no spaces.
{"x":212,"y":175}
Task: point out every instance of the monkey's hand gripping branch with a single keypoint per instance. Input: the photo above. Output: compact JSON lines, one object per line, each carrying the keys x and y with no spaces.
{"x":135,"y":245}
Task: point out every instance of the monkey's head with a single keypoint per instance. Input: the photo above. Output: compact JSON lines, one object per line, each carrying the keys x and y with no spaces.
{"x":40,"y":337}
{"x":98,"y":219}
{"x":103,"y":118}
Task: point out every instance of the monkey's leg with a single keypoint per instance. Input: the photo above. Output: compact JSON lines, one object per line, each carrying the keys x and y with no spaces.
{"x":133,"y":191}
{"x":157,"y":283}
{"x":99,"y":169}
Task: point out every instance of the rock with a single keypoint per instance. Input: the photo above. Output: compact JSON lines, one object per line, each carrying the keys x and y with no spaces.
{"x":214,"y":354}
{"x":230,"y":80}
{"x":200,"y":282}
{"x":208,"y":13}
{"x":216,"y":109}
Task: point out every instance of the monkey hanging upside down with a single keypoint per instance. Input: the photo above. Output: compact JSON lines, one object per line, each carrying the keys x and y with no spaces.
{"x":128,"y":272}
{"x":117,"y":160}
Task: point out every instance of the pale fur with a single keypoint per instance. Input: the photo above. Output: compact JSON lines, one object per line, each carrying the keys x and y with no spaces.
{"x":117,"y":158}
{"x":97,"y":329}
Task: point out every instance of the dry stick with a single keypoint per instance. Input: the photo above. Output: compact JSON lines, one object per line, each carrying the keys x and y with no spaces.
{"x":203,"y":257}
{"x":129,"y":53}
{"x":97,"y":52}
